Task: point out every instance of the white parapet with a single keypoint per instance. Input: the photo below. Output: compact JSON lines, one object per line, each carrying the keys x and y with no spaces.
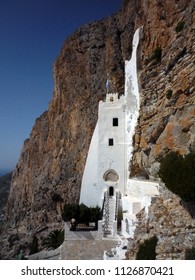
{"x":142,"y":188}
{"x":138,"y":196}
{"x":132,"y":93}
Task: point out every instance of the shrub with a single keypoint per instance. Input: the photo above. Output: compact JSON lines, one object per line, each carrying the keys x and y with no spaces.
{"x":70,"y":211}
{"x":157,"y":54}
{"x":177,"y":172}
{"x":84,"y":214}
{"x":180,"y":26}
{"x":190,"y":254}
{"x":169,"y":93}
{"x":56,"y":197}
{"x":81,"y":213}
{"x":147,"y":249}
{"x":54,"y":239}
{"x":95,"y":215}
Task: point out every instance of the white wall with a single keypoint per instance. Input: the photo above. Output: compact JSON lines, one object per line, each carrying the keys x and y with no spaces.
{"x":132,"y":93}
{"x":141,"y":188}
{"x":90,"y":194}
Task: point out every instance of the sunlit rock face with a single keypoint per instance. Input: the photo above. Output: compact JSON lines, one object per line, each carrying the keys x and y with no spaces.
{"x":167,"y":92}
{"x":53,"y":158}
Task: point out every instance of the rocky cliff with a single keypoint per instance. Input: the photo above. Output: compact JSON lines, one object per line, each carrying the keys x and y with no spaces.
{"x":52,"y":159}
{"x":167,"y":84}
{"x":5,"y":182}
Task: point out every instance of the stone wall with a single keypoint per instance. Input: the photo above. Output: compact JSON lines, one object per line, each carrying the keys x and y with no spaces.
{"x":170,"y":222}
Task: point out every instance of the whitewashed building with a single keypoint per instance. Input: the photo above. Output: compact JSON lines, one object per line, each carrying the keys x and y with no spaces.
{"x":105,"y":181}
{"x":106,"y":166}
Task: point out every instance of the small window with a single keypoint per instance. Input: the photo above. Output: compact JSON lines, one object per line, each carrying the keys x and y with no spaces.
{"x":115,"y":121}
{"x":111,"y":142}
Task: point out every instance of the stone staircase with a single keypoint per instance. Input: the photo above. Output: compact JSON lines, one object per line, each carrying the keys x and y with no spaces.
{"x":109,"y":216}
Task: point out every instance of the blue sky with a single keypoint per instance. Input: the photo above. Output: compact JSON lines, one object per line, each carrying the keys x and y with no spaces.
{"x":32,"y":32}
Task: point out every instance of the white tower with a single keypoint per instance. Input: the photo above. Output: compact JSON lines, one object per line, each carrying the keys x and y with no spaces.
{"x":106,"y":165}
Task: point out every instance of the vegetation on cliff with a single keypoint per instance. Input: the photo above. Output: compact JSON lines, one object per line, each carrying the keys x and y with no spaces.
{"x":147,"y":249}
{"x":177,"y":172}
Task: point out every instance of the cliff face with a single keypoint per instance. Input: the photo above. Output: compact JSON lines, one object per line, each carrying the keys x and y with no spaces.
{"x":52,"y":160}
{"x":5,"y":182}
{"x":167,"y":84}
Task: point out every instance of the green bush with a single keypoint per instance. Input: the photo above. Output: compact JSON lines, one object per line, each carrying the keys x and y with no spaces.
{"x":81,"y":213}
{"x":54,"y":239}
{"x":70,"y":211}
{"x":147,"y":250}
{"x":180,"y":26}
{"x":56,"y":197}
{"x":169,"y":94}
{"x":84,"y":214}
{"x":190,"y":254}
{"x":177,"y":172}
{"x":157,"y":54}
{"x":95,"y":215}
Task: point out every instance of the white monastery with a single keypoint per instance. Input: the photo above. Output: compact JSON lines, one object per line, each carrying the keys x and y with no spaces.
{"x":106,"y":180}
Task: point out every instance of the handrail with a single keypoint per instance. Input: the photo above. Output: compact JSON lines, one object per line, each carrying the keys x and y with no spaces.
{"x":117,"y":205}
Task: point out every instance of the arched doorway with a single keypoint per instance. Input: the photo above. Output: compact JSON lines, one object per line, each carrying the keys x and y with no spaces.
{"x":111,"y":179}
{"x":111,"y":191}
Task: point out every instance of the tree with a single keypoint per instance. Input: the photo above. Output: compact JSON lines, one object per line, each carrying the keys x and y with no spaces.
{"x":190,"y":254}
{"x":157,"y":54}
{"x":81,"y":213}
{"x":54,"y":239}
{"x":70,"y":211}
{"x":180,"y":26}
{"x":177,"y":172}
{"x":95,"y":215}
{"x":147,"y":250}
{"x":84,"y":214}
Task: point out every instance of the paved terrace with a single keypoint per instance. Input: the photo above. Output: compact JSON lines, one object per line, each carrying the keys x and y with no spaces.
{"x":86,"y":249}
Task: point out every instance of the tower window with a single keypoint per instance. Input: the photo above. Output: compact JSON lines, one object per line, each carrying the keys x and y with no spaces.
{"x":111,"y":142}
{"x":115,"y":121}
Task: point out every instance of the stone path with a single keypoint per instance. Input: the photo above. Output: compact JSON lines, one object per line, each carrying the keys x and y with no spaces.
{"x":86,"y":249}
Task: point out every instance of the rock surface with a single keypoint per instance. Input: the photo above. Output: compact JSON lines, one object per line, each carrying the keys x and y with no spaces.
{"x":5,"y":182}
{"x":53,"y":158}
{"x":167,"y":89}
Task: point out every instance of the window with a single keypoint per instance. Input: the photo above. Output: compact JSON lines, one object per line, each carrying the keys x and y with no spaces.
{"x":111,"y":142}
{"x":115,"y":121}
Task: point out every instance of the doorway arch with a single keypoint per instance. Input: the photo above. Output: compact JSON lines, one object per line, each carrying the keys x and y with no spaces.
{"x":111,"y":176}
